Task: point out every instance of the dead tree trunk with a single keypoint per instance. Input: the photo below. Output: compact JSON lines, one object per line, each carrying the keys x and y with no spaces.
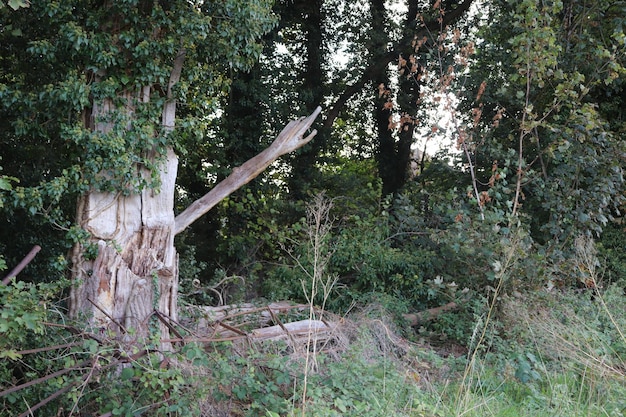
{"x":135,"y":269}
{"x":129,"y":266}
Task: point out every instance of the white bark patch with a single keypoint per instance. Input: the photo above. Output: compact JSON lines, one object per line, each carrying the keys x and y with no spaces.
{"x":112,"y":216}
{"x":135,"y":239}
{"x":158,"y":205}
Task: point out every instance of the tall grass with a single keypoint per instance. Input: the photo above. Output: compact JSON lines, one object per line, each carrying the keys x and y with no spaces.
{"x":564,"y":356}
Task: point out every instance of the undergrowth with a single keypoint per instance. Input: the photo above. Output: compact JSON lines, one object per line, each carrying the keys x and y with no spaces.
{"x":558,"y":353}
{"x":564,"y":357}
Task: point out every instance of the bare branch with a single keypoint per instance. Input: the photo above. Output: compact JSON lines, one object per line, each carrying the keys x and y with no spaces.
{"x":416,"y":319}
{"x":291,"y":138}
{"x":169,"y":109}
{"x":21,"y":265}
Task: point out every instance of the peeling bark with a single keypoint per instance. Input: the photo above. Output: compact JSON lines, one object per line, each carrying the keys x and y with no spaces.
{"x":136,"y":266}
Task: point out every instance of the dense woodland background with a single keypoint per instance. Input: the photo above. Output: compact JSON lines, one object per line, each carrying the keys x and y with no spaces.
{"x":467,"y":151}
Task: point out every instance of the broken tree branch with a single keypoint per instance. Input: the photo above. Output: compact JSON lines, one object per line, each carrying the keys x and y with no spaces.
{"x":22,"y":264}
{"x":291,"y":138}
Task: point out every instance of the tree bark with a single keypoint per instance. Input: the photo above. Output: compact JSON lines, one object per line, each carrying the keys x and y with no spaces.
{"x":135,"y":269}
{"x":304,"y":174}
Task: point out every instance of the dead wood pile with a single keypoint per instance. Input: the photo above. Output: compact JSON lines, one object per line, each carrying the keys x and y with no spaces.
{"x":298,"y":325}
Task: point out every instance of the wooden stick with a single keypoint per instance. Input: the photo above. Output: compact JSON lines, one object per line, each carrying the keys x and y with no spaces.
{"x":21,"y":265}
{"x":42,"y":379}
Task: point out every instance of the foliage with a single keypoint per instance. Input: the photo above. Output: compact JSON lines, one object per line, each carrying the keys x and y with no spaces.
{"x":540,"y":113}
{"x":559,"y":353}
{"x":258,"y":382}
{"x":64,"y":62}
{"x":5,"y":185}
{"x":356,"y":386}
{"x":15,"y":4}
{"x":25,"y":310}
{"x":610,"y":251}
{"x":48,"y":364}
{"x":25,"y":307}
{"x":495,"y":225}
{"x":93,"y":374}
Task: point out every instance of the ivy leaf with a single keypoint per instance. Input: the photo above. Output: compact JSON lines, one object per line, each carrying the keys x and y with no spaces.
{"x":5,"y":182}
{"x":17,"y":4}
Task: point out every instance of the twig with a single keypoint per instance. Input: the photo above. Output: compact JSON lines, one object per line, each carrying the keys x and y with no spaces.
{"x":282,"y":326}
{"x":48,"y":348}
{"x":108,"y":315}
{"x":46,"y":400}
{"x":166,"y":321}
{"x":42,"y":379}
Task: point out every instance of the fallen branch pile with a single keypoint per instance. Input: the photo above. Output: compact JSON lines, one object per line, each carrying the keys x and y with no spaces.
{"x":247,"y":322}
{"x":272,"y":323}
{"x":303,"y":328}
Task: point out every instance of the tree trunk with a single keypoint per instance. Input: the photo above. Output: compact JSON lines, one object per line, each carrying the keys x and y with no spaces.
{"x":386,"y":146}
{"x":129,"y":266}
{"x":135,"y":268}
{"x":304,"y":174}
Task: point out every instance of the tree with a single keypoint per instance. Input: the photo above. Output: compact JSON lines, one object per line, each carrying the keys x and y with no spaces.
{"x":546,"y":121}
{"x":310,"y":18}
{"x":100,"y":83}
{"x":393,"y":145}
{"x":299,"y":67}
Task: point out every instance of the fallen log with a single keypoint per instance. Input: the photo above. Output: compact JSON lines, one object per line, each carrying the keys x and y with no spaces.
{"x":296,"y":334}
{"x":422,"y":317}
{"x":246,"y":314}
{"x":250,"y":322}
{"x":317,"y":329}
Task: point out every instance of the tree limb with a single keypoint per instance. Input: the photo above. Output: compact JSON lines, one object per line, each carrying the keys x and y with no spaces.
{"x":169,"y":109}
{"x":290,"y":139}
{"x":21,"y":265}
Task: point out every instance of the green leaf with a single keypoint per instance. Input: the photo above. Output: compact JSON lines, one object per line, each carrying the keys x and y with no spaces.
{"x":4,"y":326}
{"x":17,"y":4}
{"x":5,"y":182}
{"x":11,"y":354}
{"x":127,"y":373}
